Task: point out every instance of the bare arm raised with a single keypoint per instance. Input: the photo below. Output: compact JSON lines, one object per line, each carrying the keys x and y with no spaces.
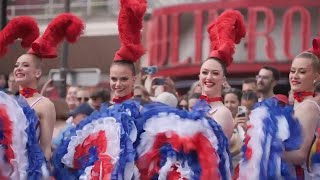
{"x":47,"y":117}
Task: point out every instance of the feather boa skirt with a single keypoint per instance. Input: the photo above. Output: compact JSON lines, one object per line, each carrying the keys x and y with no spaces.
{"x":173,"y":144}
{"x":273,"y":130}
{"x":20,"y":154}
{"x":176,"y":144}
{"x":100,"y":146}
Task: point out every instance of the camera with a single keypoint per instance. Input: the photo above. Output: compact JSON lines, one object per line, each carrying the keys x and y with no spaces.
{"x":150,"y":70}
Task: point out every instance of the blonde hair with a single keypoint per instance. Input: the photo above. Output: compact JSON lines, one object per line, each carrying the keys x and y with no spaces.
{"x":314,"y":59}
{"x":193,"y":87}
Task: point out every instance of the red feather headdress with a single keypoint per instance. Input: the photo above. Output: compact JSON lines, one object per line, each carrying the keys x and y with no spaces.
{"x":315,"y":47}
{"x":129,"y":25}
{"x":23,"y":27}
{"x":65,"y":25}
{"x":226,"y":31}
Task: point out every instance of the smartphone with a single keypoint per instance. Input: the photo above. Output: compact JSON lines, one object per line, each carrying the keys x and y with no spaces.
{"x":242,"y":111}
{"x":158,"y":81}
{"x":150,"y":70}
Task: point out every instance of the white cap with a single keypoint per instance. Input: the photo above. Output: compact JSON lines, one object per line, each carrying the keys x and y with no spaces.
{"x":167,"y":98}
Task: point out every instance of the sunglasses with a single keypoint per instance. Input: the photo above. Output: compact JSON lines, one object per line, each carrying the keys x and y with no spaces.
{"x":138,"y":96}
{"x":183,"y":107}
{"x":85,"y":99}
{"x":94,"y":98}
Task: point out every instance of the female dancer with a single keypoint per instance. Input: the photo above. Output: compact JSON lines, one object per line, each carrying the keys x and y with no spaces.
{"x":18,"y":145}
{"x":122,"y":70}
{"x":232,"y":99}
{"x":305,"y":70}
{"x":291,"y":138}
{"x":227,"y":30}
{"x":27,"y":73}
{"x":114,"y":125}
{"x":168,"y":138}
{"x":170,"y":135}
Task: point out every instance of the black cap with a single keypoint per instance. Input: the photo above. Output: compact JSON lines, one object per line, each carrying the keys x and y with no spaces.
{"x":84,"y":108}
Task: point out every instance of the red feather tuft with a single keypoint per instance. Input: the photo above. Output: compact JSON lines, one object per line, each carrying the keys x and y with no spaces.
{"x":129,"y":25}
{"x":65,"y":25}
{"x":315,"y":47}
{"x":226,"y":31}
{"x":23,"y":27}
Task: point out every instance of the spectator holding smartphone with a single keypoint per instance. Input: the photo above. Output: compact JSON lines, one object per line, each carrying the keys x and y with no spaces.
{"x":248,"y":100}
{"x":156,"y":85}
{"x":240,"y":104}
{"x":232,"y":98}
{"x":162,"y":84}
{"x":146,"y":77}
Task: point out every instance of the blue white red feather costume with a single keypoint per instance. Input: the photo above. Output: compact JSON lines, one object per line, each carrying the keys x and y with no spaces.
{"x":100,"y":146}
{"x":20,"y":154}
{"x":272,"y":130}
{"x":176,"y":144}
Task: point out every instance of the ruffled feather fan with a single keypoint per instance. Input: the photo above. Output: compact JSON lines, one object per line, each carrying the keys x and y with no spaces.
{"x":100,"y":146}
{"x":176,"y":144}
{"x":20,"y":154}
{"x":272,"y":130}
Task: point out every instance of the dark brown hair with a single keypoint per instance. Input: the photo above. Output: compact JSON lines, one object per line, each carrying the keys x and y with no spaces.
{"x":317,"y":87}
{"x":249,"y":95}
{"x":125,"y":63}
{"x":222,"y":63}
{"x":275,"y":72}
{"x":234,"y":91}
{"x":249,"y":80}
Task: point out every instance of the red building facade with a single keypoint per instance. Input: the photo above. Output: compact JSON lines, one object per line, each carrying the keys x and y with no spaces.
{"x":177,"y":38}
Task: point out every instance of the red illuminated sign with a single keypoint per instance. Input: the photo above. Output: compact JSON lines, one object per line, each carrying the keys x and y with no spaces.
{"x":163,"y":33}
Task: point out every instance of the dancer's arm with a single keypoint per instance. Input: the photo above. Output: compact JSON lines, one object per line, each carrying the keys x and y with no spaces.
{"x":224,"y":118}
{"x":307,"y":115}
{"x":47,"y":118}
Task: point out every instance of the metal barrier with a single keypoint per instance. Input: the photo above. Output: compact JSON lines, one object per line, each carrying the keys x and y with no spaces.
{"x":162,"y":3}
{"x":49,"y":9}
{"x":46,"y":10}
